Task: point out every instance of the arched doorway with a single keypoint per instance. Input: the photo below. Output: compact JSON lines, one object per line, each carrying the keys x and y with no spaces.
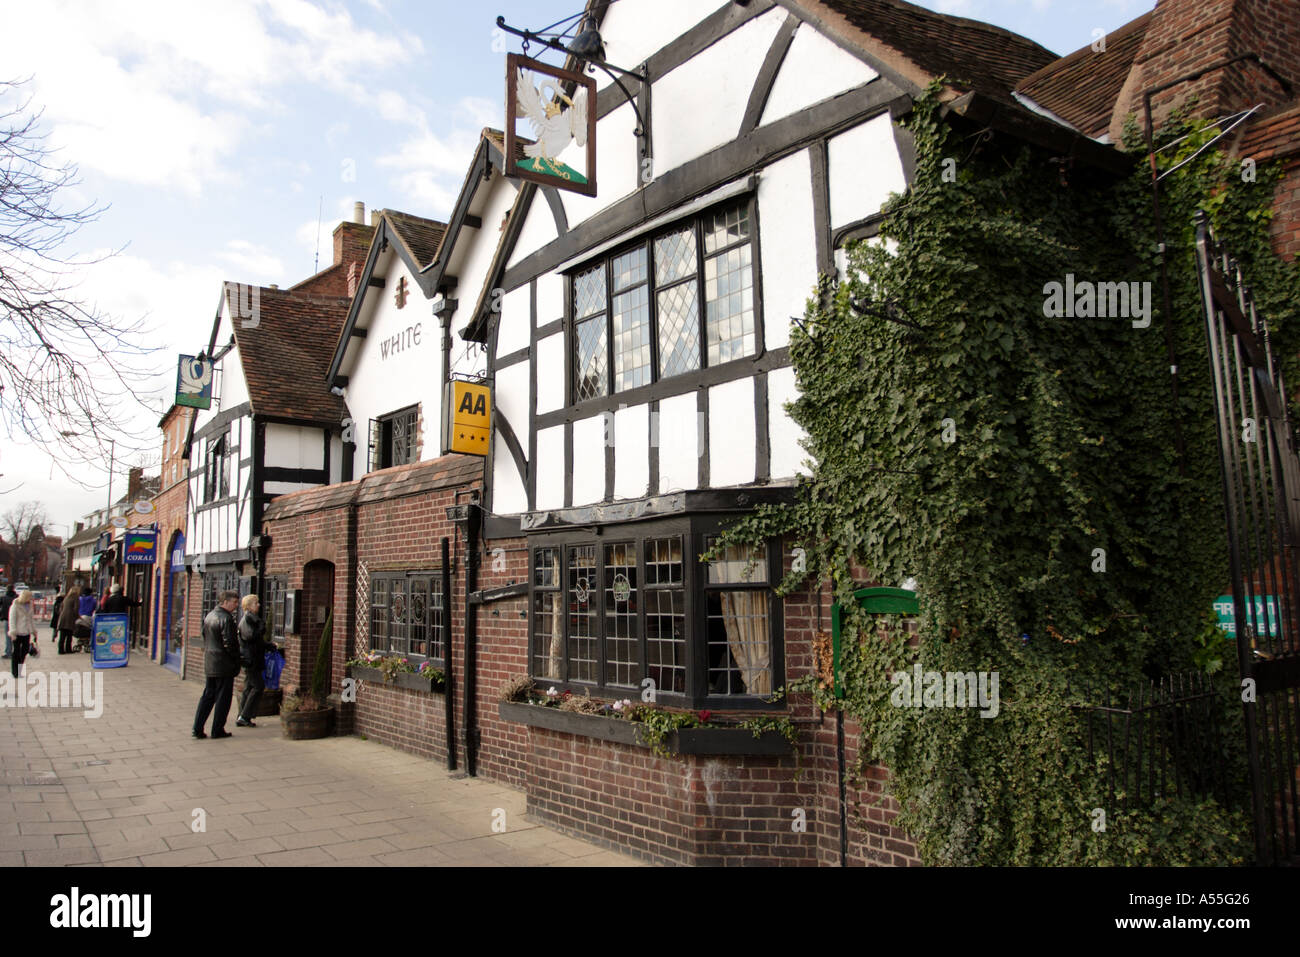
{"x":174,"y":624}
{"x":317,"y":601}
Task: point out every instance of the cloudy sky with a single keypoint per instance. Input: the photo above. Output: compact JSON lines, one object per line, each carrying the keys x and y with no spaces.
{"x":214,"y":132}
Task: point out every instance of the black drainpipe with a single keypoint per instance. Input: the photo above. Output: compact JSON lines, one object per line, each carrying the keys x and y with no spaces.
{"x":471,"y":637}
{"x":447,"y":656}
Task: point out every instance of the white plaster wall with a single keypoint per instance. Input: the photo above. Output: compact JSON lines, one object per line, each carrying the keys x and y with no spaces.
{"x":616,"y":165}
{"x":470,"y":263}
{"x":516,"y":321}
{"x":409,"y":376}
{"x":508,"y":494}
{"x":788,"y":244}
{"x":550,"y":298}
{"x":864,"y":169}
{"x":633,"y":31}
{"x":632,"y":452}
{"x":539,"y":226}
{"x":336,"y":458}
{"x":511,"y":398}
{"x":731,"y":433}
{"x":280,"y":488}
{"x":814,"y":69}
{"x":699,"y":105}
{"x":787,"y":455}
{"x":550,"y":373}
{"x":290,"y":447}
{"x":678,"y":438}
{"x":550,"y":468}
{"x":589,"y":460}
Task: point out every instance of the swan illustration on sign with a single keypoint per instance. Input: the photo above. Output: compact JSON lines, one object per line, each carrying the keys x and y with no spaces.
{"x":556,"y":120}
{"x":556,"y":108}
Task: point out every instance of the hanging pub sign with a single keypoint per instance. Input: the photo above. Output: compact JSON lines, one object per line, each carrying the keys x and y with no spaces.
{"x":139,"y":546}
{"x":557,"y":109}
{"x":194,"y":382}
{"x":468,"y":422}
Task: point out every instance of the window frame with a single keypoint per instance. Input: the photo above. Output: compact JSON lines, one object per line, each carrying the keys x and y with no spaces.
{"x":442,"y":631}
{"x":216,"y":468}
{"x":681,"y":381}
{"x":380,"y":449}
{"x":276,"y":588}
{"x":692,"y":531}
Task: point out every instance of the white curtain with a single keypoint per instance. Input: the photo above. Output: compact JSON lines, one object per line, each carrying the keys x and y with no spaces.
{"x":744,"y":613}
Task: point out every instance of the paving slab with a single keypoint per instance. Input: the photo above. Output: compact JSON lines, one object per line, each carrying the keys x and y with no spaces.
{"x":121,"y":790}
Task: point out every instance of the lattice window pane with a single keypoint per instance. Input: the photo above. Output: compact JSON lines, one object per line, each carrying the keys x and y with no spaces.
{"x":437,"y":621}
{"x":729,"y":305}
{"x":629,"y":269}
{"x":583,"y":582}
{"x":725,"y":227}
{"x":589,"y":365}
{"x":665,"y":615}
{"x":379,"y":615}
{"x":398,"y":618}
{"x":632,"y":339}
{"x":675,"y":256}
{"x":679,"y":329}
{"x":740,"y":648}
{"x":622,"y":665}
{"x":738,"y":565}
{"x":548,"y":635}
{"x":546,"y":568}
{"x":419,"y":610}
{"x":589,"y":292}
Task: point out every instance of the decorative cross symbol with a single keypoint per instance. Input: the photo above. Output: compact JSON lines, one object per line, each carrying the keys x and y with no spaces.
{"x":401,"y":293}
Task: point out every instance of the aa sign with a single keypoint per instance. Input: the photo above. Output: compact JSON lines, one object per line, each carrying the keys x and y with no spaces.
{"x":469,"y":427}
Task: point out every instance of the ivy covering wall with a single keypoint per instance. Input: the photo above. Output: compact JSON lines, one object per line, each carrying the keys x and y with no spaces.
{"x":1022,"y":469}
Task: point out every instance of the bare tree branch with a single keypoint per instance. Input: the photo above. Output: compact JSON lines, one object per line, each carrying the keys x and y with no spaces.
{"x":72,"y":378}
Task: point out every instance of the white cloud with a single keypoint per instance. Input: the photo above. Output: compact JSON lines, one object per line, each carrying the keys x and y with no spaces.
{"x":253,"y":262}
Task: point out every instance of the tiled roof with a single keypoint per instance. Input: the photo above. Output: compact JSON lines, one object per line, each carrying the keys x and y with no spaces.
{"x":1084,"y":87}
{"x":286,"y":353}
{"x":86,"y":536}
{"x":973,"y":55}
{"x":402,"y":480}
{"x":421,"y":236}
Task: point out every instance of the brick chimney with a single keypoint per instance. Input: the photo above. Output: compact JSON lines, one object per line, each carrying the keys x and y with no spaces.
{"x":134,"y":482}
{"x":351,"y":246}
{"x":1185,"y":36}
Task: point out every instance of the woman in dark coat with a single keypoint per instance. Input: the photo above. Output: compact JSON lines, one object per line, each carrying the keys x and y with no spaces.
{"x":66,"y":622}
{"x":252,"y":650}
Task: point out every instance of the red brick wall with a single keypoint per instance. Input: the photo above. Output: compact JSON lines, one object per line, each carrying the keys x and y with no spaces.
{"x":682,"y":809}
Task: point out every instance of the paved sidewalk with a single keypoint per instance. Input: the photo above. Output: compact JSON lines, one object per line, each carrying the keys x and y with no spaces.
{"x":123,"y":789}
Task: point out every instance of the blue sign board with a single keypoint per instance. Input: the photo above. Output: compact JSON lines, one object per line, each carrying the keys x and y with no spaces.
{"x":139,"y":546}
{"x":109,"y":640}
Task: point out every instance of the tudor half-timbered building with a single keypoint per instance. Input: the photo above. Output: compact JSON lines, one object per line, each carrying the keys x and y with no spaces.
{"x":636,"y":342}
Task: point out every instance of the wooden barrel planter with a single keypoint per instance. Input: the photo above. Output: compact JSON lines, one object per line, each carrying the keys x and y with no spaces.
{"x":269,"y":704}
{"x":305,"y":725}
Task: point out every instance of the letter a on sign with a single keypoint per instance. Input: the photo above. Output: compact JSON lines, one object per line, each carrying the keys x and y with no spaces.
{"x":471,"y":424}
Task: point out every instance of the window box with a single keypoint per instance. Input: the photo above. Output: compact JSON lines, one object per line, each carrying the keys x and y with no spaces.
{"x":710,"y":741}
{"x":413,"y":682}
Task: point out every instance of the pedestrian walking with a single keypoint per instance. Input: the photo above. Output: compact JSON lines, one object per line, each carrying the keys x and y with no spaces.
{"x":6,"y":601}
{"x":220,"y":664}
{"x":22,"y":625}
{"x":54,"y":616}
{"x":67,"y":622}
{"x":252,"y":650}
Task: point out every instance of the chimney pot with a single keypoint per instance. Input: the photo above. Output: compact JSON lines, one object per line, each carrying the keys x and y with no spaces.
{"x":359,"y":213}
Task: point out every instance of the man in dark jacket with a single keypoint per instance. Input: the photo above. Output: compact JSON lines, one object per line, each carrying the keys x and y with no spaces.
{"x":252,"y":649}
{"x":220,"y":664}
{"x":117,"y":603}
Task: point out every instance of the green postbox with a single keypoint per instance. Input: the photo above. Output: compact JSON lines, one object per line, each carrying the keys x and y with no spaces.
{"x":874,"y":601}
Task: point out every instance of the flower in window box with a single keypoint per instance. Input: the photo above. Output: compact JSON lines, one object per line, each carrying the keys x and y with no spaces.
{"x":552,"y":693}
{"x":705,"y":716}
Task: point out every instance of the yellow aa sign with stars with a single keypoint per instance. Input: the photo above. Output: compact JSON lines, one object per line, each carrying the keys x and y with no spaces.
{"x":471,"y":418}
